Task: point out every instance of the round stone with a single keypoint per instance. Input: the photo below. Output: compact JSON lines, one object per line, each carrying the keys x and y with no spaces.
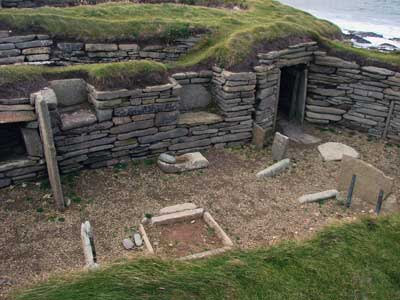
{"x":128,"y":244}
{"x":167,"y":158}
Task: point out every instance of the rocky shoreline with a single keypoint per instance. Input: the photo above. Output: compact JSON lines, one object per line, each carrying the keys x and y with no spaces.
{"x":372,"y":40}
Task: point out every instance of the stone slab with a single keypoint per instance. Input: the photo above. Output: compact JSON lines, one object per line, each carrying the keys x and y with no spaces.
{"x":80,"y":118}
{"x":275,"y":169}
{"x":332,"y":151}
{"x":199,"y":118}
{"x":177,"y":217}
{"x":185,"y":162}
{"x":369,"y":181}
{"x":177,"y":208}
{"x":16,"y":116}
{"x":69,"y":91}
{"x":318,"y":196}
{"x":194,"y":96}
{"x":280,"y":146}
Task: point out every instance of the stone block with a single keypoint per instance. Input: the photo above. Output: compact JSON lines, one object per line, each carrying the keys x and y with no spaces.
{"x":132,"y":126}
{"x":166,"y":118}
{"x":16,"y":116}
{"x":69,"y":91}
{"x":164,"y":135}
{"x":369,"y":180}
{"x":280,"y":146}
{"x":101,"y":47}
{"x":33,"y":143}
{"x":34,"y":44}
{"x":194,"y":96}
{"x":80,"y":118}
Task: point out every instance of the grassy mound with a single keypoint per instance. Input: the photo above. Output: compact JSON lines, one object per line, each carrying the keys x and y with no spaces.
{"x":232,"y":34}
{"x":23,"y":79}
{"x":354,"y":261}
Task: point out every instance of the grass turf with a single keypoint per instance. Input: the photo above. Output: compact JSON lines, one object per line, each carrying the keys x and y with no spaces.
{"x":232,"y":34}
{"x":121,"y":75}
{"x":354,"y":261}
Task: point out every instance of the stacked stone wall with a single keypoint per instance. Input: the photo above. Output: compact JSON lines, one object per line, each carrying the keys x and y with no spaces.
{"x":355,"y":96}
{"x":41,"y":49}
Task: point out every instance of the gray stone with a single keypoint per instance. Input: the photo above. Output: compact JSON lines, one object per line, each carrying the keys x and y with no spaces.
{"x":18,"y":39}
{"x":280,"y":146}
{"x":101,"y":47}
{"x":185,"y":162}
{"x":138,"y":133}
{"x":38,"y":57}
{"x":16,"y":116}
{"x":70,"y":47}
{"x":359,"y":120}
{"x":326,"y":110}
{"x":104,"y":114}
{"x":329,"y":92}
{"x":69,"y":91}
{"x":369,"y":180}
{"x":164,"y":135}
{"x":33,"y":143}
{"x":188,"y":145}
{"x":132,"y":126}
{"x":275,"y":169}
{"x":5,"y":182}
{"x":34,"y":44}
{"x":318,"y":196}
{"x":177,"y":208}
{"x":33,"y":51}
{"x":12,"y":60}
{"x":194,"y":96}
{"x":137,"y":238}
{"x":322,"y":116}
{"x":80,"y":118}
{"x":128,"y":244}
{"x":167,"y":158}
{"x":332,"y":151}
{"x":259,"y":135}
{"x":8,"y":53}
{"x":166,"y":118}
{"x":199,"y":118}
{"x":145,"y":109}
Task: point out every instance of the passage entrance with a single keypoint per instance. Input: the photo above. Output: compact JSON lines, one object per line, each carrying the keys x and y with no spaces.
{"x":293,"y":92}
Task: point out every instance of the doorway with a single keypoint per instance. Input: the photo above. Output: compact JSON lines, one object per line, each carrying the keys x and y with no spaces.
{"x":292,"y":93}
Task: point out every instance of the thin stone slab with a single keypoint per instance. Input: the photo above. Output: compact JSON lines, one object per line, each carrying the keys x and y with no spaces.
{"x":76,"y":119}
{"x":275,"y":169}
{"x":185,"y":162}
{"x":199,"y":118}
{"x":259,"y":134}
{"x":177,"y":208}
{"x":16,"y":116}
{"x":296,"y":133}
{"x":369,"y":180}
{"x":318,"y":196}
{"x":280,"y":146}
{"x":178,"y":216}
{"x":332,"y":151}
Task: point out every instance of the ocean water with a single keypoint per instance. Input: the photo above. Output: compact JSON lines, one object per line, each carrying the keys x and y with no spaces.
{"x":379,"y":16}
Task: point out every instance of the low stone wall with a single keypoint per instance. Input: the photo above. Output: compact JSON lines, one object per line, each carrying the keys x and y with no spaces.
{"x":40,"y":48}
{"x":358,"y":97}
{"x":39,"y":3}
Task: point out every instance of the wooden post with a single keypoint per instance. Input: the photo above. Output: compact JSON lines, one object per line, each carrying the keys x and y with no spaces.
{"x":49,"y":148}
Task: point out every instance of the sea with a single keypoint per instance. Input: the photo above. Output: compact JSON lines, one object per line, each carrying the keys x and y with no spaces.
{"x":378,"y":16}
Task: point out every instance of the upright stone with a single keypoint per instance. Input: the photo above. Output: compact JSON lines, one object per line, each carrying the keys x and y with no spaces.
{"x":32,"y":142}
{"x":49,"y":149}
{"x":280,"y":146}
{"x":258,"y":136}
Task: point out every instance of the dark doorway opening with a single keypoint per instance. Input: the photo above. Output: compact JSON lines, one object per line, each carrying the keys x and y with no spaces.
{"x":292,"y":94}
{"x":12,"y":145}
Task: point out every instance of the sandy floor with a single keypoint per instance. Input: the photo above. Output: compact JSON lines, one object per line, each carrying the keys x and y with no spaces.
{"x":37,"y":240}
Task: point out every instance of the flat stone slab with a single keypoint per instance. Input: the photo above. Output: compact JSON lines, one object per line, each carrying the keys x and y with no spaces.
{"x":296,"y":133}
{"x":369,"y":180}
{"x":275,"y":169}
{"x":178,"y":216}
{"x":177,"y":208}
{"x":318,"y":196}
{"x":185,"y":162}
{"x":79,"y":118}
{"x":199,"y":118}
{"x":16,"y":116}
{"x":332,"y":151}
{"x":280,"y":146}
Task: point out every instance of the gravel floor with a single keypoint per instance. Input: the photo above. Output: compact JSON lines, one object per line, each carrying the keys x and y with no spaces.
{"x":37,"y":241}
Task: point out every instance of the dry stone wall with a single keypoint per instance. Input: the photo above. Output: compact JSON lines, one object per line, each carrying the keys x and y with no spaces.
{"x":358,"y":97}
{"x":41,"y":49}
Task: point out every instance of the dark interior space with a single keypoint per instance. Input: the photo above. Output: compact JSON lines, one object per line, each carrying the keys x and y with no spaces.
{"x":291,"y":93}
{"x":12,"y":145}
